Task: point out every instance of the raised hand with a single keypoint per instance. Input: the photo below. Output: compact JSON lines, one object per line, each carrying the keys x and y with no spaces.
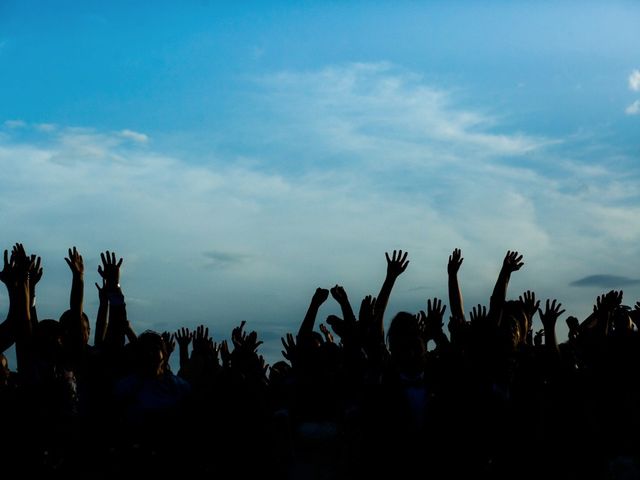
{"x":478,"y":314}
{"x":337,"y":324}
{"x":35,"y":273}
{"x":512,"y":261}
{"x":367,"y":307}
{"x":243,"y":341}
{"x":110,"y":269}
{"x":290,"y":348}
{"x":21,"y":262}
{"x":319,"y":297}
{"x":455,"y":260}
{"x":606,"y":303}
{"x":102,"y":292}
{"x":366,"y":322}
{"x":339,"y":294}
{"x":74,"y":260}
{"x":435,"y":310}
{"x":431,"y":323}
{"x":16,"y":267}
{"x":550,"y":315}
{"x":169,"y":344}
{"x":537,"y":339}
{"x":183,"y":336}
{"x":327,"y":334}
{"x":225,"y":355}
{"x":613,"y":299}
{"x":397,"y":264}
{"x":6,"y":273}
{"x":529,"y":303}
{"x":200,"y":338}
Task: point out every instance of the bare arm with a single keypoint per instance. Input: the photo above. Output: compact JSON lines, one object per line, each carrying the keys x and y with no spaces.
{"x":101,"y":316}
{"x":319,"y":297}
{"x":396,"y":265}
{"x":512,"y":263}
{"x":76,"y":298}
{"x":455,"y":294}
{"x":549,"y":318}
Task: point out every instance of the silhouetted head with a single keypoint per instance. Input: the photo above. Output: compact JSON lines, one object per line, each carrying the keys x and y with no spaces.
{"x":516,"y":311}
{"x":67,"y":324}
{"x":279,"y":372}
{"x":574,"y":327}
{"x":510,"y":333}
{"x":406,"y":345}
{"x":622,"y":323}
{"x":48,"y":339}
{"x":151,"y":353}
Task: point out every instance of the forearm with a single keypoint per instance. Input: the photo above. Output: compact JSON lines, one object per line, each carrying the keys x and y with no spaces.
{"x":347,"y":311}
{"x":76,"y":297}
{"x":306,"y":327}
{"x":381,"y":304}
{"x":117,"y":325}
{"x":499,"y":296}
{"x":32,"y":307}
{"x":23,"y":327}
{"x":101,"y":323}
{"x":550,"y":339}
{"x":184,"y":357}
{"x":455,"y":298}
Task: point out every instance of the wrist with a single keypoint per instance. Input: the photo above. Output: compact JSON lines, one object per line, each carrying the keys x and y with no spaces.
{"x":116,"y":298}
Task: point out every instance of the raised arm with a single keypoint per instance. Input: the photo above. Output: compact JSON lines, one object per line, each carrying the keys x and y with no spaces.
{"x":396,"y":265}
{"x":35,"y":274}
{"x":17,"y":276}
{"x":101,"y":317}
{"x":78,"y":329}
{"x":7,"y":331}
{"x":512,"y":263}
{"x":455,"y":294}
{"x":319,"y":297}
{"x":183,"y":337}
{"x":76,"y":298}
{"x":549,"y":318}
{"x":118,"y":327}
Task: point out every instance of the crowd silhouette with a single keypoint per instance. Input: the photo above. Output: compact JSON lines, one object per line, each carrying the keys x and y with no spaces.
{"x":362,"y":397}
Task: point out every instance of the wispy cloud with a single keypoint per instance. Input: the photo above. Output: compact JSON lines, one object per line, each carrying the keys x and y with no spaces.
{"x":604,"y":281}
{"x":15,"y":124}
{"x":633,"y":109}
{"x":220,"y":259}
{"x":135,"y":136}
{"x":369,"y":106}
{"x":634,"y":81}
{"x":46,"y":127}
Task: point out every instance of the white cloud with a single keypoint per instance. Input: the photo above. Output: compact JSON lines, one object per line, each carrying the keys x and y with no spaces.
{"x":15,"y":124}
{"x":634,"y":80}
{"x":135,"y":136}
{"x":46,"y":127}
{"x":633,"y":109}
{"x":360,"y":106}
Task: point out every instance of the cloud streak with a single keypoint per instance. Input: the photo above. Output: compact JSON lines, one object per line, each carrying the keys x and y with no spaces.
{"x":604,"y":281}
{"x":134,"y":136}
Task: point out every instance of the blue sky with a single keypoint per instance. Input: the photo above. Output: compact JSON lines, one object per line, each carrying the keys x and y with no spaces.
{"x":239,"y":156}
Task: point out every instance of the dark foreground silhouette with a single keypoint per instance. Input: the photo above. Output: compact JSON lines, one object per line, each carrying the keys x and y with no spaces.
{"x":492,"y":399}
